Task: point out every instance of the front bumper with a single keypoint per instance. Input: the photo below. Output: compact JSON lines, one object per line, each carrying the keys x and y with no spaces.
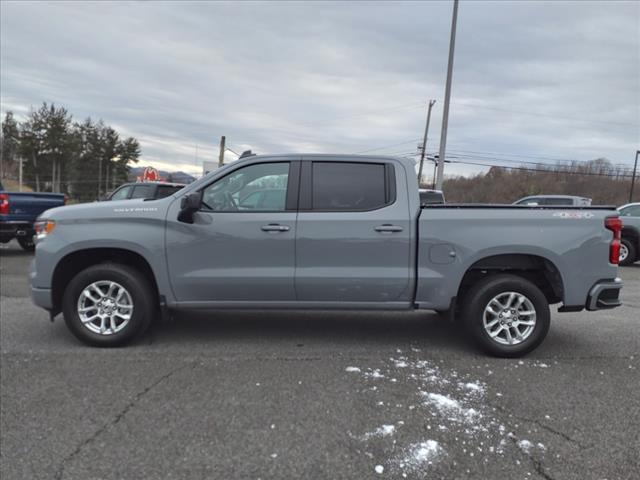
{"x":605,"y":294}
{"x":42,"y":297}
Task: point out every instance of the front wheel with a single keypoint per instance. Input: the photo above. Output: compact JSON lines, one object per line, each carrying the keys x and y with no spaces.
{"x":108,"y":305}
{"x":507,"y":315}
{"x":27,"y":243}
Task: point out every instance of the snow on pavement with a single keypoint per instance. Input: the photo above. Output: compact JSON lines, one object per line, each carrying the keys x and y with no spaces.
{"x":452,"y":407}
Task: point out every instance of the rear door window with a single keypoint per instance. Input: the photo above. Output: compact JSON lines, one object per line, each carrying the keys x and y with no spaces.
{"x":166,"y":190}
{"x":142,"y":191}
{"x":343,"y":186}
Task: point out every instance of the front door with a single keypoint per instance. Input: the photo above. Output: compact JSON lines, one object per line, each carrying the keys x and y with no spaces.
{"x":240,"y":246}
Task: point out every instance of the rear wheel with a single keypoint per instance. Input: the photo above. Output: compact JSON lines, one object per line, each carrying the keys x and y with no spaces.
{"x":507,"y":315}
{"x":108,"y":305}
{"x":27,"y":243}
{"x":627,"y":252}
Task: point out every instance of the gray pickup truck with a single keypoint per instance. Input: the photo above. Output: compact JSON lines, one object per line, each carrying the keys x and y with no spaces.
{"x":345,"y":232}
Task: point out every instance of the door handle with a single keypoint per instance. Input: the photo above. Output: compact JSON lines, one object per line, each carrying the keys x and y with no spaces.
{"x":274,"y":227}
{"x":386,"y":228}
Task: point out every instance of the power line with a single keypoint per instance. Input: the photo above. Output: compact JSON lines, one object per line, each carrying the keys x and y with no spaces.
{"x":387,"y":146}
{"x":556,"y":159}
{"x":560,"y":172}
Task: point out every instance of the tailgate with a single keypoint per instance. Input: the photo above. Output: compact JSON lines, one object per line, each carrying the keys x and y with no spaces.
{"x":26,"y":206}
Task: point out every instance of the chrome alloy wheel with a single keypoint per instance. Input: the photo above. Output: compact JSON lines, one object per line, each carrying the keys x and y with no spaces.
{"x":624,"y":252}
{"x":105,"y":307}
{"x":509,"y":318}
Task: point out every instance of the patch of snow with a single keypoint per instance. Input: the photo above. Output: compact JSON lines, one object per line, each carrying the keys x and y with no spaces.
{"x":473,"y":386}
{"x":401,"y":364}
{"x":382,"y":431}
{"x":379,"y":469}
{"x":274,"y":455}
{"x":352,"y":369}
{"x":419,"y":455}
{"x":442,"y":401}
{"x":525,"y":445}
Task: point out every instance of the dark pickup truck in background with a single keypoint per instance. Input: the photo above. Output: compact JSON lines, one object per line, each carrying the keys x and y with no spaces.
{"x":18,"y":213}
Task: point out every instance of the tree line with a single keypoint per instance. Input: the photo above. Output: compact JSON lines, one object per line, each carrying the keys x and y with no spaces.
{"x":598,"y":179}
{"x":81,"y":159}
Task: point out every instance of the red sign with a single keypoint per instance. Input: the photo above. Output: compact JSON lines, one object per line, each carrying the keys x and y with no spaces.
{"x":149,"y":174}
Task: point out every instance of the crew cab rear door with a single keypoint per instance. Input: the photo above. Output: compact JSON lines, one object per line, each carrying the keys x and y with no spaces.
{"x":353,"y":236}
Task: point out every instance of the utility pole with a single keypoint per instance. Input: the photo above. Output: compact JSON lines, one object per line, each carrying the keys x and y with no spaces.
{"x":633,"y":177}
{"x":222,"y":148}
{"x":20,"y":175}
{"x":424,"y":141}
{"x":435,"y":168}
{"x":447,"y":98}
{"x":99,"y":175}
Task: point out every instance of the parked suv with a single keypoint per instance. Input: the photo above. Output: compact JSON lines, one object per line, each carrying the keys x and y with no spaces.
{"x":145,"y":190}
{"x":630,"y":243}
{"x":431,"y":197}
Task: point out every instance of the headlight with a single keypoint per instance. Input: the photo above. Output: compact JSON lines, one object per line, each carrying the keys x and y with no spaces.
{"x":43,"y":228}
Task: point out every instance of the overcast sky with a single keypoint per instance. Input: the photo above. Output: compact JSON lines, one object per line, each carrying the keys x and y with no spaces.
{"x":531,"y":79}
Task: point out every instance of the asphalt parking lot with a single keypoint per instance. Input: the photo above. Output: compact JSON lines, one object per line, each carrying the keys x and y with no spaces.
{"x":316,"y":395}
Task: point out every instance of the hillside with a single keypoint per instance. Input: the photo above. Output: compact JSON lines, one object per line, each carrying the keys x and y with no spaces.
{"x":597,"y":180}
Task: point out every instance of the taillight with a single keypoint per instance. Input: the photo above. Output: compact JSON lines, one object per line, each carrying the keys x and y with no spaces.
{"x":615,"y":225}
{"x":4,"y":204}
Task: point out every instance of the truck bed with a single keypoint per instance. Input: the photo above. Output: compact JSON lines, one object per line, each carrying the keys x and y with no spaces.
{"x":454,"y":238}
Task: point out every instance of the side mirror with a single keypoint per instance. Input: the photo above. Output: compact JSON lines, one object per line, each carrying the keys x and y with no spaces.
{"x":188,"y":206}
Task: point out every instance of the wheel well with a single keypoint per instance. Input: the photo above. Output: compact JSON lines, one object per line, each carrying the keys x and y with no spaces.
{"x":538,"y":270}
{"x":75,"y":262}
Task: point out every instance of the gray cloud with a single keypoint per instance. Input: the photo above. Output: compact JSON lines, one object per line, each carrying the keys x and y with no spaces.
{"x":553,"y":79}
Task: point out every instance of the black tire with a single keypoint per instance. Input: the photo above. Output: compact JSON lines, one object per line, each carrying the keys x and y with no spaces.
{"x":142,"y":295}
{"x":27,"y":243}
{"x":480,"y":295}
{"x":631,"y":255}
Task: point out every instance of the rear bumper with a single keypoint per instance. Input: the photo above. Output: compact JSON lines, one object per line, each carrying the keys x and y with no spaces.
{"x":604,"y":295}
{"x":10,"y":230}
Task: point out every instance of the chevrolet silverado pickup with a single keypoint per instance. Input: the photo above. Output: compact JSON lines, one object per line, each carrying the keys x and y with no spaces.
{"x":345,"y":232}
{"x":18,"y":212}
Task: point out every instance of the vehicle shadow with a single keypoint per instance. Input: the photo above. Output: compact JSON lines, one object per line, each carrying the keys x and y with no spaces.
{"x":380,"y":329}
{"x":12,"y":249}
